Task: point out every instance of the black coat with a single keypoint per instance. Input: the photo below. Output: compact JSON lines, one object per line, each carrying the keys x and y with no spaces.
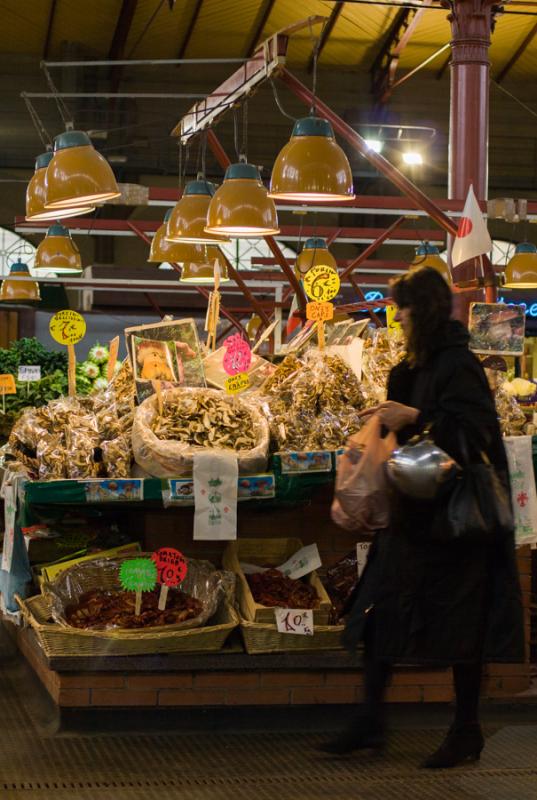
{"x":437,"y":602}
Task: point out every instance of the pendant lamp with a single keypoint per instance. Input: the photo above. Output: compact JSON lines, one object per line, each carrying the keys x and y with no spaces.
{"x":78,"y":173}
{"x":35,"y":195}
{"x":253,"y":325}
{"x":314,"y":253}
{"x":200,"y":269}
{"x":241,"y":207}
{"x":521,"y":272}
{"x":58,"y":253}
{"x":163,"y":250}
{"x":428,"y":255}
{"x":189,"y":216}
{"x":312,"y":166}
{"x":19,"y":286}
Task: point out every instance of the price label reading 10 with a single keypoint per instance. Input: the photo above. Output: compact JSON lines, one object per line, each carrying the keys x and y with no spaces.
{"x":321,"y":283}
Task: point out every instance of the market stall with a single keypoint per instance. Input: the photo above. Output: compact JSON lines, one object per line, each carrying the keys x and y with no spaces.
{"x":99,"y":487}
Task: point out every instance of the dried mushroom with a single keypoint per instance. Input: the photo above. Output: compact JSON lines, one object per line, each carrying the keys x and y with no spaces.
{"x":205,"y":421}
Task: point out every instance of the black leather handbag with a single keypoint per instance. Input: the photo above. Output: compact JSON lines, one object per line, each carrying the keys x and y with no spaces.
{"x":479,"y":507}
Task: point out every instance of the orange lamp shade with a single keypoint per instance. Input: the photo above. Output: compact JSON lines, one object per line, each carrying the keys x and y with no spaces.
{"x":521,"y":272}
{"x":314,"y":253}
{"x":35,"y":195}
{"x":253,"y":325}
{"x":201,"y":269}
{"x":189,"y":216}
{"x":427,"y":255}
{"x":78,"y":174}
{"x":164,"y":250}
{"x":241,"y":207}
{"x":19,"y":286}
{"x":312,"y":166}
{"x":58,"y":253}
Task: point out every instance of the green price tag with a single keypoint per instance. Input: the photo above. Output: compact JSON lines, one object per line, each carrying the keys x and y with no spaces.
{"x":138,"y":574}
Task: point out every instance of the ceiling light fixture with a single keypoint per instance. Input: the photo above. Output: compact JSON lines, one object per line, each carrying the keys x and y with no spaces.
{"x":521,"y":271}
{"x":428,"y":255}
{"x":58,"y":253}
{"x":375,"y":144}
{"x":78,"y":174}
{"x":19,"y":286}
{"x":241,"y":206}
{"x":412,"y":158}
{"x":189,"y":215}
{"x":312,"y":166}
{"x":314,"y":253}
{"x":200,"y":270}
{"x":36,"y":192}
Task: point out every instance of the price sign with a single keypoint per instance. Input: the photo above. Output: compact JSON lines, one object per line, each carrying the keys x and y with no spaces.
{"x":319,"y":312}
{"x":237,"y":383}
{"x":29,"y":373}
{"x":321,"y":283}
{"x":362,"y":552}
{"x":7,"y":384}
{"x":171,"y":566}
{"x":238,"y":355}
{"x":294,"y":620}
{"x":67,"y":327}
{"x":138,"y":574}
{"x":391,"y":324}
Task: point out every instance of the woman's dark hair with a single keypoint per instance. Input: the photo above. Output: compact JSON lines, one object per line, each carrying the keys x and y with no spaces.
{"x":425,"y":292}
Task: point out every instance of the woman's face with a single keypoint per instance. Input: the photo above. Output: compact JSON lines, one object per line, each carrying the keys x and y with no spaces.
{"x":403,"y":316}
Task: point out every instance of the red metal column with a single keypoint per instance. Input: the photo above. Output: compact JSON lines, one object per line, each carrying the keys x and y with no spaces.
{"x":471,"y":24}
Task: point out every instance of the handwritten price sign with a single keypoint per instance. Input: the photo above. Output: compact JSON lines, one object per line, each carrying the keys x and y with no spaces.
{"x":237,"y":383}
{"x":67,"y":327}
{"x":238,"y":355}
{"x":319,"y":312}
{"x":29,"y":373}
{"x":294,"y":620}
{"x":321,"y":283}
{"x":171,"y":566}
{"x":7,"y":384}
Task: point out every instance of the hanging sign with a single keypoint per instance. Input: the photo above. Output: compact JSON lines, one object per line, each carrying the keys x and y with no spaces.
{"x":138,"y":575}
{"x":171,"y":568}
{"x":67,"y":327}
{"x":321,"y":283}
{"x":294,"y":620}
{"x":29,"y":373}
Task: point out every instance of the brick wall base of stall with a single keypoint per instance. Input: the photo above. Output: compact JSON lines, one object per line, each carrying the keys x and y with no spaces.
{"x":258,"y":686}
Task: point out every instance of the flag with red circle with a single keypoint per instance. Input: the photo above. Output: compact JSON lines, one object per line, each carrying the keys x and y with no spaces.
{"x":473,"y":238}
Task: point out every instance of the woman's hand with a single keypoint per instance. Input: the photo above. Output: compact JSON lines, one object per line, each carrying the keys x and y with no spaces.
{"x":393,"y":415}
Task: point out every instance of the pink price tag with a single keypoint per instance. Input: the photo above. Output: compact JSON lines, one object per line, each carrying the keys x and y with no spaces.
{"x":171,"y":566}
{"x":238,"y":355}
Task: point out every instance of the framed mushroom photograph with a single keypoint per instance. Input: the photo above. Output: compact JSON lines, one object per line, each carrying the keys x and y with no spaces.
{"x":497,"y":328}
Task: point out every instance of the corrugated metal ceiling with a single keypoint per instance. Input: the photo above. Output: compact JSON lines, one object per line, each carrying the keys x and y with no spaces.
{"x":224,"y":28}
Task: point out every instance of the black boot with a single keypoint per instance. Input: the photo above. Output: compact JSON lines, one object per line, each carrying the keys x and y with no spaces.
{"x":462,"y":743}
{"x":361,"y":735}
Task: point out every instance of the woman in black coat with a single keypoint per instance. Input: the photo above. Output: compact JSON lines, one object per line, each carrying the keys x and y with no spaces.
{"x":423,"y":599}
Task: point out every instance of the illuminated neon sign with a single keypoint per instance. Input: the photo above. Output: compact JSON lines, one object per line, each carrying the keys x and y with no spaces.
{"x":531,"y":310}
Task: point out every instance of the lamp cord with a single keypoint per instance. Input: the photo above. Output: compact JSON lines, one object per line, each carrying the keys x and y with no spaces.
{"x":63,"y":109}
{"x":37,"y":122}
{"x":315,"y":55}
{"x":278,"y":102}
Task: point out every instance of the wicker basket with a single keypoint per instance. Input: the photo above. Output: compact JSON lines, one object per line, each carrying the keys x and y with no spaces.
{"x":268,"y":552}
{"x":266,"y":639}
{"x":57,"y":640}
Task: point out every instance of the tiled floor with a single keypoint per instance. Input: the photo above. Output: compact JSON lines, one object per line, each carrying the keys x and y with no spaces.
{"x":102,"y":762}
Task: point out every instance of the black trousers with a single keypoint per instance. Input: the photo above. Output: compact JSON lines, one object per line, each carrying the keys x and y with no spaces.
{"x":377,"y":674}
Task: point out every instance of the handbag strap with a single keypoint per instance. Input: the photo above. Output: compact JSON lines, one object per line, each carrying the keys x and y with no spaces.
{"x":463,"y":445}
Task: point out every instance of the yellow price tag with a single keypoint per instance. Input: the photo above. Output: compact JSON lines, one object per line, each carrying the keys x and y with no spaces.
{"x":67,"y":327}
{"x":237,"y":383}
{"x":321,"y":283}
{"x":7,"y":384}
{"x":391,"y":324}
{"x":320,"y":312}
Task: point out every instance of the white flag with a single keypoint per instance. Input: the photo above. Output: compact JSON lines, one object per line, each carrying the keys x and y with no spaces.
{"x":472,"y":238}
